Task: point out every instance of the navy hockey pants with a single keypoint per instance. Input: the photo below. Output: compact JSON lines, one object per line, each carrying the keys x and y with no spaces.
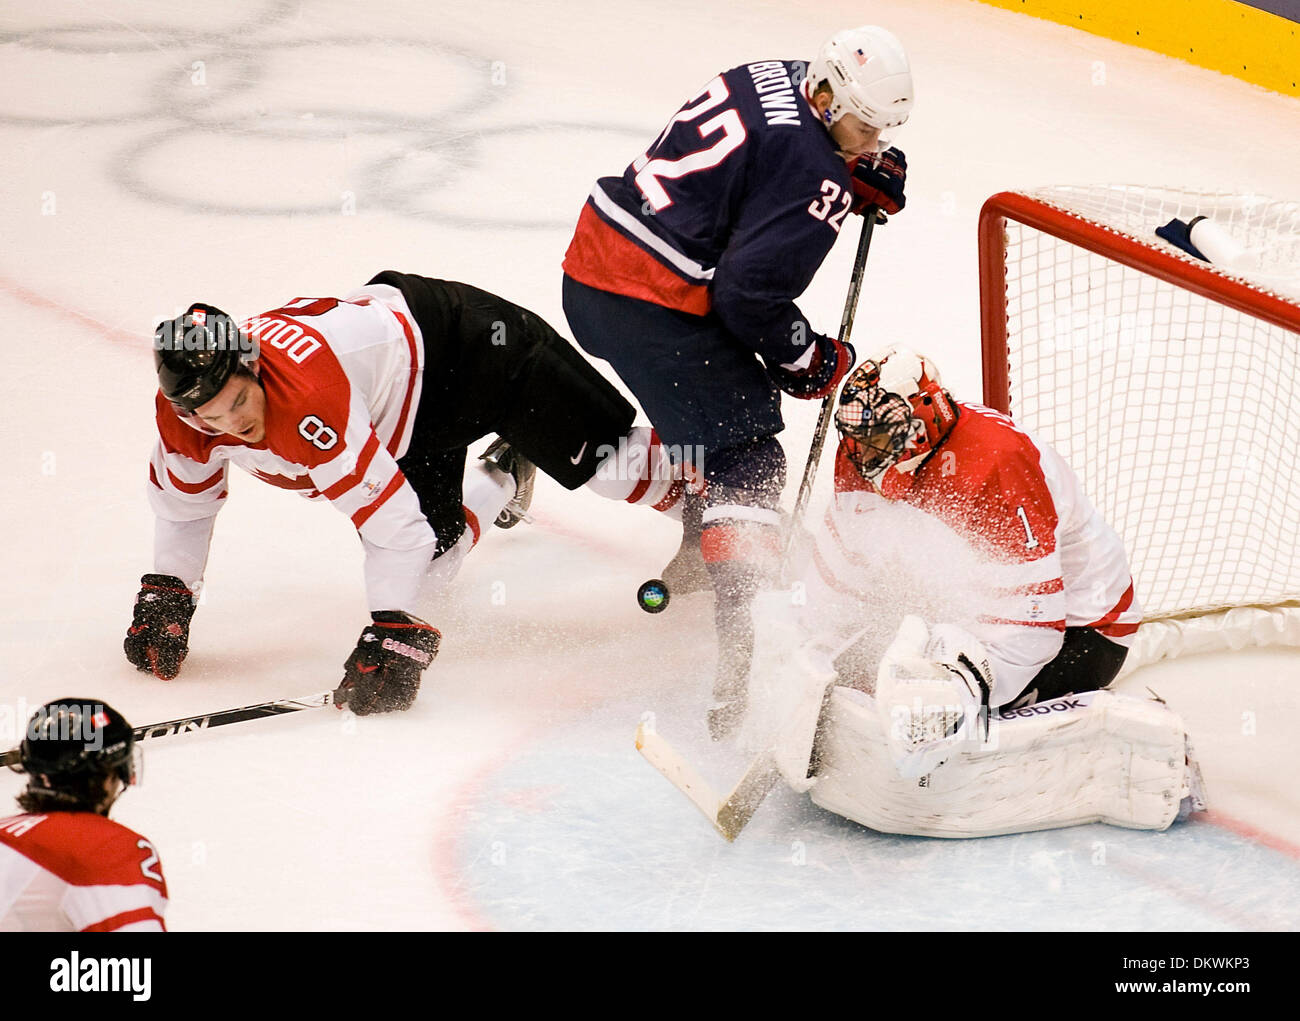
{"x":698,"y":384}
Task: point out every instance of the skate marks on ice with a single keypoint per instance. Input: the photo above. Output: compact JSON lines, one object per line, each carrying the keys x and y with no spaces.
{"x":275,"y":85}
{"x":577,"y":832}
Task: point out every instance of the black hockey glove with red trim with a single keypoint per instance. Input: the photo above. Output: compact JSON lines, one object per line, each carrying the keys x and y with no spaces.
{"x":159,"y":636}
{"x":383,"y":673}
{"x":831,"y":362}
{"x":878,"y":180}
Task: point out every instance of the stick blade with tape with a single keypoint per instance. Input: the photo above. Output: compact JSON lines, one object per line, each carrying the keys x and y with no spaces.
{"x":730,"y":815}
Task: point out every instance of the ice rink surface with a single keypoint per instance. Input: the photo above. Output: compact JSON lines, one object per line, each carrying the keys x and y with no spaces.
{"x":153,"y":154}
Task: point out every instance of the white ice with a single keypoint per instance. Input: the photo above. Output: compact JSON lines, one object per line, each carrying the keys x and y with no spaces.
{"x":248,"y":153}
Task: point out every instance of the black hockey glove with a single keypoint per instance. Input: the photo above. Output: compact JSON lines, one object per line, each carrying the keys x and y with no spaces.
{"x":159,"y":635}
{"x":383,"y":673}
{"x":831,"y":362}
{"x":878,"y":180}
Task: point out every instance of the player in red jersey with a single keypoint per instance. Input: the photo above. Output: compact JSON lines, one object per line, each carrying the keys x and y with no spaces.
{"x":1057,"y":611}
{"x":369,"y":402}
{"x":683,"y":273}
{"x":64,"y":865}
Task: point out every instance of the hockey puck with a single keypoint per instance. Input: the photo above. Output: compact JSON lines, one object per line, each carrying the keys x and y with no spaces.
{"x":652,"y":596}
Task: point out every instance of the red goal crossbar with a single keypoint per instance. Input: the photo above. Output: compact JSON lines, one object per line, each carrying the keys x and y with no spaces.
{"x":1154,"y":259}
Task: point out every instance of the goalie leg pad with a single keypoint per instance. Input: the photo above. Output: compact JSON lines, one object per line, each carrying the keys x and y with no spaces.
{"x":1096,"y":757}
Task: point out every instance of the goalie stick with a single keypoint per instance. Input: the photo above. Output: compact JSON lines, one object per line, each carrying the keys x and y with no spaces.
{"x":206,"y":721}
{"x":729,"y":815}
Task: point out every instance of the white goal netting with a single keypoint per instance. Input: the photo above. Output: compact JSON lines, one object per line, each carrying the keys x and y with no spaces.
{"x":1178,"y":403}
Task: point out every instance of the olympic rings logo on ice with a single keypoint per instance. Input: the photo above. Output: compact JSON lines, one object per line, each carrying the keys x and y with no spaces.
{"x":225,"y":104}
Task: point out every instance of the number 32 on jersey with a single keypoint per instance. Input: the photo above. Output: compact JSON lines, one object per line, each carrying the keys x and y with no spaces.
{"x":726,"y":124}
{"x":725,"y":132}
{"x":832,"y":194}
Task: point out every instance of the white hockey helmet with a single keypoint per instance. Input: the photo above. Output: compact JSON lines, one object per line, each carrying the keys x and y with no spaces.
{"x":868,"y":74}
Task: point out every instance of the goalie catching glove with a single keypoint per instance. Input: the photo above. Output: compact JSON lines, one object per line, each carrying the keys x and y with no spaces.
{"x":159,"y":635}
{"x":383,"y":673}
{"x":931,"y":690}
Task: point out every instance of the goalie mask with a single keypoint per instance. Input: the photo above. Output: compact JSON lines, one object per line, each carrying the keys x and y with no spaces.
{"x":893,"y":412}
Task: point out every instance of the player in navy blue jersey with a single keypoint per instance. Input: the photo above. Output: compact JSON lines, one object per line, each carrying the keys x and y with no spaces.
{"x":683,"y":271}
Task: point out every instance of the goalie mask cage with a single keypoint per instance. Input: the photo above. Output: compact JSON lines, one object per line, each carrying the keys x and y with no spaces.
{"x":1169,"y":385}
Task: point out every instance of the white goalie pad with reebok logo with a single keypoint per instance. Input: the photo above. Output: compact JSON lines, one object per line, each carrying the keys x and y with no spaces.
{"x":1095,"y":757}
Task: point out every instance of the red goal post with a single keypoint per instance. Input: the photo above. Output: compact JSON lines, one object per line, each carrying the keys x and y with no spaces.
{"x":1170,"y":385}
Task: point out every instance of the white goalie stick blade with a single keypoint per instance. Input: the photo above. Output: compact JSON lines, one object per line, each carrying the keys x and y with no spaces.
{"x":730,"y":815}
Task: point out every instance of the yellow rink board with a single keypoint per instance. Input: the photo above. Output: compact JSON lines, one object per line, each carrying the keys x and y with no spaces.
{"x":1242,"y":41}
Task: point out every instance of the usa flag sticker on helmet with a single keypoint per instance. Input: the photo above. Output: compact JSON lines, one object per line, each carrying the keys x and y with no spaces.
{"x":100,"y":719}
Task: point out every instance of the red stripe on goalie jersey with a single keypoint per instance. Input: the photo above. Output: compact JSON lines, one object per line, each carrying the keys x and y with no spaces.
{"x":1107,"y":625}
{"x":114,"y":873}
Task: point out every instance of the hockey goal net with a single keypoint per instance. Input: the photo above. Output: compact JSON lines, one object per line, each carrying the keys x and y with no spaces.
{"x":1170,"y":385}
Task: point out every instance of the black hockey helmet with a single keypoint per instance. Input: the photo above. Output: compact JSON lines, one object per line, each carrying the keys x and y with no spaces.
{"x":71,"y":746}
{"x":196,"y":354}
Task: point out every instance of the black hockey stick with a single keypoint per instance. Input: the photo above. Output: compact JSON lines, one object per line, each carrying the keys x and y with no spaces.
{"x":871,"y":215}
{"x":653,"y":595}
{"x":220,"y":718}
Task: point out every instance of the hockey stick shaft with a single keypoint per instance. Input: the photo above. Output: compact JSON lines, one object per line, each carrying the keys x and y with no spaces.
{"x":828,"y":402}
{"x":220,"y":718}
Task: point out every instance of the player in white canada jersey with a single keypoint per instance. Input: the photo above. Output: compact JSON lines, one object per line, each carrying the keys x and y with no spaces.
{"x":64,"y":865}
{"x":369,"y":402}
{"x":1058,"y":610}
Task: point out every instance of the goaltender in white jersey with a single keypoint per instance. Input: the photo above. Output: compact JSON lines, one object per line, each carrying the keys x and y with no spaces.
{"x":1000,"y":724}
